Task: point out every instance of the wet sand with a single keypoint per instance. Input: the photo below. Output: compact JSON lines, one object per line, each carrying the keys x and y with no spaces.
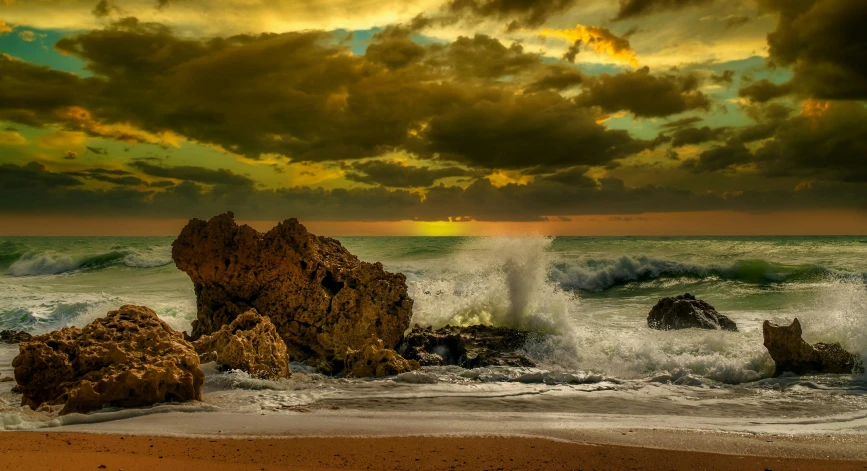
{"x":81,"y":451}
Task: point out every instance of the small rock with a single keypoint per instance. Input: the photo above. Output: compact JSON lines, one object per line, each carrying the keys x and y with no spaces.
{"x":469,"y":347}
{"x":792,"y":354}
{"x":685,"y":312}
{"x":249,"y":343}
{"x":14,"y":336}
{"x":375,"y":361}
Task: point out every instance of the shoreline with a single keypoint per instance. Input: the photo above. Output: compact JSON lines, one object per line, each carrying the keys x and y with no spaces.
{"x":88,"y":451}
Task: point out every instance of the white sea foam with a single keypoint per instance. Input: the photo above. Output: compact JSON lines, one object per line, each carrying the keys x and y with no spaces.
{"x":495,"y":281}
{"x":45,"y":263}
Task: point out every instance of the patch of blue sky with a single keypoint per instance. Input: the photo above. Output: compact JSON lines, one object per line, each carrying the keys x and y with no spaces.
{"x":41,"y":50}
{"x":358,"y":40}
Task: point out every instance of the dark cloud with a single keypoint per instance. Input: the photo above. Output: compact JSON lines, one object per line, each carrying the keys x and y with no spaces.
{"x":485,"y":57}
{"x":680,"y":123}
{"x":193,"y":174}
{"x":829,"y":142}
{"x":521,"y":131}
{"x":686,"y":136}
{"x":117,"y":177}
{"x":104,"y":8}
{"x":722,"y":157}
{"x":97,"y":150}
{"x":635,"y":8}
{"x":764,"y":90}
{"x":557,"y":79}
{"x":732,"y":21}
{"x":643,"y":94}
{"x":825,"y":44}
{"x":576,"y":176}
{"x":521,"y":13}
{"x":572,"y":52}
{"x":398,"y":175}
{"x":33,"y":189}
{"x":34,"y":95}
{"x":70,"y":155}
{"x":727,"y":77}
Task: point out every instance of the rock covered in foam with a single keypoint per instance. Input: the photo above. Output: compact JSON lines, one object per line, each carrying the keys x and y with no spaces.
{"x":686,"y":312}
{"x":792,"y":354}
{"x":323,"y":300}
{"x":14,"y":336}
{"x":249,"y":343}
{"x":129,"y":358}
{"x":376,"y":361}
{"x":469,"y":347}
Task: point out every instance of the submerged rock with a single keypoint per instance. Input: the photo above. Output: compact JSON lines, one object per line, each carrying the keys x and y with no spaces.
{"x":249,"y":343}
{"x":322,"y":299}
{"x":685,"y":312}
{"x":375,"y":361}
{"x":14,"y":336}
{"x":129,"y":358}
{"x":791,"y":353}
{"x":469,"y":347}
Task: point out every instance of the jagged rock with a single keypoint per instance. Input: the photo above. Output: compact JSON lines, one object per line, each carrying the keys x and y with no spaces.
{"x":14,"y":336}
{"x":249,"y":343}
{"x":469,"y":347}
{"x":685,"y":312}
{"x":322,"y":299}
{"x":791,"y":353}
{"x":129,"y":358}
{"x":376,"y":361}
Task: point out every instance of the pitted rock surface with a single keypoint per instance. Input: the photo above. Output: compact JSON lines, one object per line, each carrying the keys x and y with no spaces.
{"x":249,"y":343}
{"x":792,"y":354}
{"x":323,"y":300}
{"x":129,"y":358}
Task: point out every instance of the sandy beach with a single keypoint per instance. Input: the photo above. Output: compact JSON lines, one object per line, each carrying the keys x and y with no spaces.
{"x":77,"y":451}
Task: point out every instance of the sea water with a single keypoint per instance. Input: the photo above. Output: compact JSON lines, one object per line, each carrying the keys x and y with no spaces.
{"x":589,"y":296}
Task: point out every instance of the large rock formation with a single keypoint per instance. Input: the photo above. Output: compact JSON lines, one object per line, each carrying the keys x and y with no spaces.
{"x":685,"y":312}
{"x":791,"y":353}
{"x":129,"y":358}
{"x":323,"y":300}
{"x":375,"y":361}
{"x":14,"y":336}
{"x":249,"y":343}
{"x":469,"y":347}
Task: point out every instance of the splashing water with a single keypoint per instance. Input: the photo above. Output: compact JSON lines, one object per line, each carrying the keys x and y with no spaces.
{"x":496,"y":281}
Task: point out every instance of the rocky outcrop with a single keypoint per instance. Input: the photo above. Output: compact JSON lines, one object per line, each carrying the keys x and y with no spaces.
{"x":468,"y":347}
{"x":322,"y":299}
{"x":376,"y":361}
{"x":14,"y":336}
{"x":249,"y":343}
{"x":792,"y":354}
{"x":129,"y":358}
{"x":686,"y":312}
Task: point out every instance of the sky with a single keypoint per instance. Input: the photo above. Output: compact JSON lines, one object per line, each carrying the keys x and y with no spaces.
{"x":435,"y":117}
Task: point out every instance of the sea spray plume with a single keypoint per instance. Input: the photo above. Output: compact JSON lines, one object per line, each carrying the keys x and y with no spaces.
{"x":500,"y":281}
{"x":839,"y":315}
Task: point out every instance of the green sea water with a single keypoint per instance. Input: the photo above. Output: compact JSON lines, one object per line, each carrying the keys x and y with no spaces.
{"x":592,"y":293}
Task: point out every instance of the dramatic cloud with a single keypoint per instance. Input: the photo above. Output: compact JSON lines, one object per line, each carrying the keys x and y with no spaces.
{"x":520,"y":13}
{"x":398,"y":175}
{"x":825,"y":43}
{"x":764,"y":90}
{"x":599,"y":39}
{"x":634,"y":8}
{"x":193,"y":174}
{"x":686,"y":136}
{"x":643,"y":94}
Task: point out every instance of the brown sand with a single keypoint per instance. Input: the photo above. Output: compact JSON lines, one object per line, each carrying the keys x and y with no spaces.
{"x":74,"y":451}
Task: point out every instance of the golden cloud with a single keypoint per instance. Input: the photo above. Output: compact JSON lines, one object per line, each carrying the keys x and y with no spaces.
{"x":601,"y":40}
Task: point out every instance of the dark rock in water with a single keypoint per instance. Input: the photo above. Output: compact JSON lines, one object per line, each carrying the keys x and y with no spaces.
{"x":375,"y":361}
{"x":322,"y":299}
{"x":249,"y":343}
{"x":791,"y":353}
{"x":14,"y":336}
{"x":468,"y":347}
{"x":129,"y":358}
{"x":686,"y":312}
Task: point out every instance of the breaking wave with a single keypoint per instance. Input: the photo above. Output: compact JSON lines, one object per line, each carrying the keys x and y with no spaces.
{"x":50,"y":262}
{"x":599,"y":275}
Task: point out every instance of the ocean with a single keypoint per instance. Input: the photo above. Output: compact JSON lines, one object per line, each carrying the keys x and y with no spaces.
{"x":590,"y":295}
